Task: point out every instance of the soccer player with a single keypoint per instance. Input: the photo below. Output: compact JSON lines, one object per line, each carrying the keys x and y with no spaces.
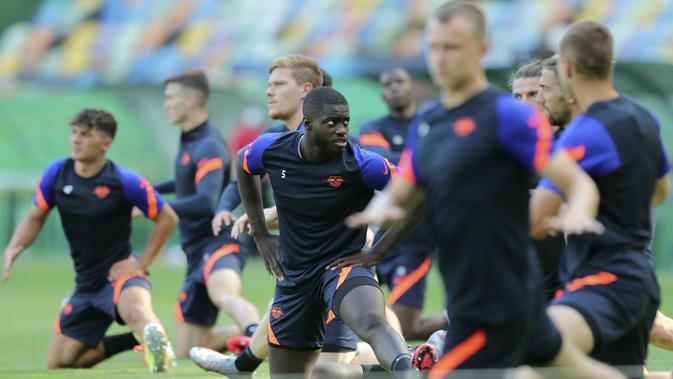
{"x":611,"y":294}
{"x":549,"y":249}
{"x":561,"y":109}
{"x":468,"y":159}
{"x":214,"y":262}
{"x":95,"y":199}
{"x":404,"y":269}
{"x":524,"y":82}
{"x":291,"y":77}
{"x":318,"y":177}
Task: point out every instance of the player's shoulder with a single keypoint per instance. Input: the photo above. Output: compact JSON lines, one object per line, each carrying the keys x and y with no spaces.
{"x":57,"y":164}
{"x":278,"y":128}
{"x":126,"y":176}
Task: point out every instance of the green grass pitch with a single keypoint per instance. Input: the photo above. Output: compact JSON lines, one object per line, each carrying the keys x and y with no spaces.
{"x":31,"y":299}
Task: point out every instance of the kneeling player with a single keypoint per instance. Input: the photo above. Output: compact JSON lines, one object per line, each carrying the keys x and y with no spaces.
{"x":95,"y":199}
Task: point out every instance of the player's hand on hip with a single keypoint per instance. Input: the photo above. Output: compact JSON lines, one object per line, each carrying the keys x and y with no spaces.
{"x":363,"y":258}
{"x":267,"y":245}
{"x":242,"y":225}
{"x":380,"y":210}
{"x":125,"y":267}
{"x":9,"y":258}
{"x":222,"y":217}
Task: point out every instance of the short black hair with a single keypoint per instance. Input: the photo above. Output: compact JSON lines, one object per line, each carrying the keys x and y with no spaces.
{"x":319,"y":97}
{"x":196,"y":80}
{"x":99,"y":119}
{"x":326,"y":78}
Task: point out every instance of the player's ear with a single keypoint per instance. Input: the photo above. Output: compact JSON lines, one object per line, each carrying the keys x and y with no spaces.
{"x":107,"y":142}
{"x":305,"y":89}
{"x":307,"y":123}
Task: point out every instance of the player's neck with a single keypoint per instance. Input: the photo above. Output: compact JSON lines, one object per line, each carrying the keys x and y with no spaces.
{"x":454,"y":97}
{"x":89,"y":169}
{"x":194,"y":120}
{"x":310,"y":152}
{"x":589,"y":92}
{"x":294,"y":121}
{"x":407,"y":112}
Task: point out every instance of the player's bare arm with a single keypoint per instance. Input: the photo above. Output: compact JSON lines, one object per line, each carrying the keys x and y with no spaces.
{"x":24,"y":235}
{"x":582,"y":199}
{"x":166,"y":221}
{"x":250,"y":189}
{"x":661,"y":189}
{"x":242,"y":224}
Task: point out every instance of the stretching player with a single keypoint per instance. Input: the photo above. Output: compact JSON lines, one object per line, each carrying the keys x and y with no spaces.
{"x":214,"y":263}
{"x":318,"y":177}
{"x":404,"y":269}
{"x":526,"y":82}
{"x":469,"y":158}
{"x":95,"y":199}
{"x":290,"y":79}
{"x":611,"y":294}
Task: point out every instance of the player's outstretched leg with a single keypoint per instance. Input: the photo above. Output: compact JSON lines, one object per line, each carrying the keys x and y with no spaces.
{"x":363,"y":309}
{"x":232,"y":365}
{"x":135,"y":308}
{"x":287,"y":361}
{"x":224,"y":289}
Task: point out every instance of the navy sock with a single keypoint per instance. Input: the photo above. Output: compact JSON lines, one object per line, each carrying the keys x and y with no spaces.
{"x":119,"y":342}
{"x":247,"y":361}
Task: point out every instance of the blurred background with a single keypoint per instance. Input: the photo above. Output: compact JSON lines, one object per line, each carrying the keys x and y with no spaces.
{"x":58,"y":56}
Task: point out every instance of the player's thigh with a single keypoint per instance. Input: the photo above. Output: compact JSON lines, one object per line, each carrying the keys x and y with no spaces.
{"x":190,"y":335}
{"x":224,"y":281}
{"x":290,"y":361}
{"x":64,"y":351}
{"x":135,"y":304}
{"x":573,"y":326}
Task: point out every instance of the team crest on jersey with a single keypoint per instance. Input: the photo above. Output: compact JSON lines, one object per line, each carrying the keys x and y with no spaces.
{"x":464,"y":126}
{"x":67,"y":189}
{"x":101,"y":191}
{"x":398,"y":139}
{"x":67,"y":309}
{"x":276,"y":312}
{"x":335,"y":181}
{"x":185,"y":159}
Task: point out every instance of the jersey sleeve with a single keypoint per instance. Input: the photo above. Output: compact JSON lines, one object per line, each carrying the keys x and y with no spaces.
{"x":587,"y":142}
{"x":524,"y":133}
{"x":408,"y":168}
{"x":140,"y":193}
{"x":251,"y":155}
{"x":375,"y":170}
{"x":372,"y":139}
{"x":664,"y":168}
{"x":44,"y":193}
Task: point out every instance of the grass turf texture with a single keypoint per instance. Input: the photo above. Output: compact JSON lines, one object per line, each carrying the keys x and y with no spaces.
{"x":31,"y":299}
